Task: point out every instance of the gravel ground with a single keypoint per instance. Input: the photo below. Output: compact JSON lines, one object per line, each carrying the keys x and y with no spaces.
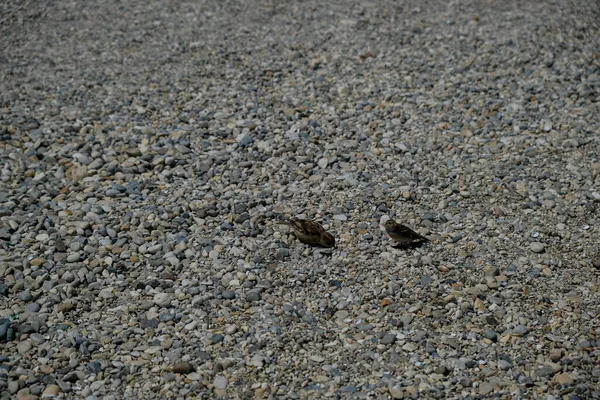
{"x":149,"y":149}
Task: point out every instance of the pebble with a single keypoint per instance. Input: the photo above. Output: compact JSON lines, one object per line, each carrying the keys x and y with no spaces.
{"x":485,"y":388}
{"x":24,"y":346}
{"x":491,"y":334}
{"x":254,"y":296}
{"x":228,"y":294}
{"x":396,"y":392}
{"x":504,"y":365}
{"x":106,"y":293}
{"x":183,"y":367}
{"x":51,"y":390}
{"x":220,"y":382}
{"x":556,"y":355}
{"x":36,"y":262}
{"x":537,"y":247}
{"x":162,"y":299}
{"x":388,"y":338}
{"x":564,"y":379}
{"x":25,"y":296}
{"x":73,"y":257}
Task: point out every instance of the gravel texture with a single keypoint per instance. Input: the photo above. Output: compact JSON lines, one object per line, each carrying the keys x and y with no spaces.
{"x":148,"y":150}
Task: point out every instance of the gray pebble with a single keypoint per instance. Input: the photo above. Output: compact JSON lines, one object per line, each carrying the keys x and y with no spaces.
{"x":491,"y":334}
{"x":220,"y":382}
{"x":504,"y":365}
{"x":253,"y":296}
{"x":73,"y":257}
{"x":25,"y":296}
{"x":228,"y":294}
{"x":537,"y":247}
{"x":388,"y":338}
{"x":183,"y":367}
{"x":162,"y":299}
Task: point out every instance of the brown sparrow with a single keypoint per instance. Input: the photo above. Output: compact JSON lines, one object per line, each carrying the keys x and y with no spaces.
{"x":403,"y":234}
{"x":311,"y":232}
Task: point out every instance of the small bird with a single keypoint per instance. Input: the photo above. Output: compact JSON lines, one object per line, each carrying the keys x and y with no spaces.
{"x":403,"y":234}
{"x":311,"y":232}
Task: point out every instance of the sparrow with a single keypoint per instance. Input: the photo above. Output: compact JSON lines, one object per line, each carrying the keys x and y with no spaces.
{"x":403,"y":234}
{"x":311,"y":232}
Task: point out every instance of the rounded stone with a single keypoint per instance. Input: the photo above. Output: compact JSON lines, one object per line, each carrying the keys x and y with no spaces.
{"x":228,"y":294}
{"x":253,"y":296}
{"x":388,"y":338}
{"x":183,"y":367}
{"x":51,"y":390}
{"x":220,"y":382}
{"x":162,"y":299}
{"x":24,"y":346}
{"x":537,"y":247}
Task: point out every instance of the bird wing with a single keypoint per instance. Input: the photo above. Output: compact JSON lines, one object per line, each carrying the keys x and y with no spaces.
{"x":405,"y":230}
{"x":308,"y":228}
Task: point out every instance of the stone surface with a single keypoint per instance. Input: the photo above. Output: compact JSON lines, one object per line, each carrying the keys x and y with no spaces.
{"x":151,"y":152}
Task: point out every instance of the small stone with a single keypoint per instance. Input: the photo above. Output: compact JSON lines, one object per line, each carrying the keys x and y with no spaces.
{"x":231,"y":329}
{"x":485,"y":388}
{"x":42,"y":237}
{"x":504,"y":365}
{"x":442,"y":370}
{"x":183,"y":367}
{"x":217,"y":338}
{"x":396,"y":392}
{"x":244,"y":140}
{"x":33,"y":307}
{"x":253,"y":296}
{"x":111,"y":193}
{"x":556,"y":354}
{"x":25,"y":296}
{"x":564,"y":379}
{"x":73,"y":257}
{"x":24,"y":346}
{"x":51,"y":390}
{"x":317,"y":358}
{"x":96,"y":385}
{"x":491,"y":334}
{"x":465,"y":381}
{"x":220,"y":382}
{"x":59,"y":257}
{"x":520,"y":330}
{"x":193,"y":376}
{"x":13,"y":387}
{"x":555,"y":367}
{"x":162,"y":299}
{"x":228,"y":294}
{"x":36,"y":262}
{"x":106,"y":293}
{"x":548,"y":369}
{"x":95,"y":367}
{"x":388,"y":338}
{"x":537,"y":247}
{"x":478,"y":304}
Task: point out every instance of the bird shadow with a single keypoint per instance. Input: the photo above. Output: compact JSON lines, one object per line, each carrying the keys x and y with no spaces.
{"x":412,"y":245}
